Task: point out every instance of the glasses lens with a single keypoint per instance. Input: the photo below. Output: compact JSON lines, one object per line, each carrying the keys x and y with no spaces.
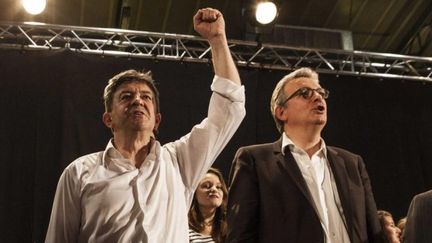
{"x":308,"y":92}
{"x":323,"y":92}
{"x":305,"y":92}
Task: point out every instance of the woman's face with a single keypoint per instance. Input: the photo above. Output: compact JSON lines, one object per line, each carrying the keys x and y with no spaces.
{"x":391,"y":231}
{"x":209,"y":193}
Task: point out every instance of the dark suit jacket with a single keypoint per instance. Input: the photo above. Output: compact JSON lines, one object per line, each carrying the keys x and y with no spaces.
{"x":269,"y":200}
{"x":418,"y":226}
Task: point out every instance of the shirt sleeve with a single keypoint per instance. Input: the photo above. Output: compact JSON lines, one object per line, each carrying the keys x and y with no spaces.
{"x":66,"y":213}
{"x":196,"y":151}
{"x":228,"y":89}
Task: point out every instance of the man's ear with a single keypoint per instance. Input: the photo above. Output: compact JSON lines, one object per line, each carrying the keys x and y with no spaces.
{"x":107,"y":120}
{"x":280,"y":113}
{"x":158,"y":118}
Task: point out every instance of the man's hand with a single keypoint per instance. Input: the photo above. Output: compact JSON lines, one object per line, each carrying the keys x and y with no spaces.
{"x":209,"y":23}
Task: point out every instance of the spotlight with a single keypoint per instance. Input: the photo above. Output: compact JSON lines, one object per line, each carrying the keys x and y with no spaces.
{"x":260,"y":17}
{"x":265,"y":12}
{"x":34,"y":7}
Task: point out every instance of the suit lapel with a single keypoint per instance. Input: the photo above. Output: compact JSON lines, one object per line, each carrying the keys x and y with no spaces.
{"x":288,"y":164}
{"x":339,"y":171}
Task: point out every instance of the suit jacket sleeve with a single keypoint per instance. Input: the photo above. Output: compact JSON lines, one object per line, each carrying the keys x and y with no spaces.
{"x":417,"y":228}
{"x":243,"y":200}
{"x":372,"y":222}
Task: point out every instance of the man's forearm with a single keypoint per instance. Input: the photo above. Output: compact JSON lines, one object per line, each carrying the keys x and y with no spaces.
{"x":223,"y":63}
{"x":210,"y":24}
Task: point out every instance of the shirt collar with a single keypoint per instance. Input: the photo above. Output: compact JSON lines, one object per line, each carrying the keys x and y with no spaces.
{"x":111,"y":152}
{"x":286,"y":141}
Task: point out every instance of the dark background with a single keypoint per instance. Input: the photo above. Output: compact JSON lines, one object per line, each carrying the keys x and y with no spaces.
{"x":51,"y":110}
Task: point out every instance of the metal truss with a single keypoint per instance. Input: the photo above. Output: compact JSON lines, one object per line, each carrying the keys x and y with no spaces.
{"x":187,"y":48}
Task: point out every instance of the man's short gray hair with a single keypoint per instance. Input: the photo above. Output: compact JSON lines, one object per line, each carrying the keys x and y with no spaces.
{"x":279,"y":96}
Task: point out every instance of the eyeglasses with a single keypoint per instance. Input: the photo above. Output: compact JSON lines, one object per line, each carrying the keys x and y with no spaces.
{"x":307,"y":93}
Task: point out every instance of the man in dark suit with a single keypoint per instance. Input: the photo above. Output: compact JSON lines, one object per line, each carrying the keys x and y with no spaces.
{"x":297,"y":189}
{"x":419,"y":219}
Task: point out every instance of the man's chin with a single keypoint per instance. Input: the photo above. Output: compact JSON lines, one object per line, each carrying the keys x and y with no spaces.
{"x":141,"y":128}
{"x":320,"y":122}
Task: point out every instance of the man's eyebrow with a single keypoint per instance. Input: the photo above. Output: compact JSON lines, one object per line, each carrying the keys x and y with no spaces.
{"x":146,"y":91}
{"x":132,"y":91}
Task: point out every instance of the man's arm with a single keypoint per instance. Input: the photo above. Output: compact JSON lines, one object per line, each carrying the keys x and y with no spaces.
{"x":197,"y":150}
{"x":243,"y":200}
{"x":418,"y":224}
{"x":210,"y":24}
{"x":66,"y":213}
{"x":411,"y":227}
{"x":374,"y":230}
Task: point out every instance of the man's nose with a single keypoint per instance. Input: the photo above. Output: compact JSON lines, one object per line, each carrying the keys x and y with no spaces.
{"x":137,"y":100}
{"x":316,"y":95}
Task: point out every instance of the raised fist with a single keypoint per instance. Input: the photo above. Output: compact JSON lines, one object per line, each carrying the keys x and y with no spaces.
{"x":209,"y":23}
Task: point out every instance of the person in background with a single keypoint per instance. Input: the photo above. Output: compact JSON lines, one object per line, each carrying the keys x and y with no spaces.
{"x":298,"y":189}
{"x":401,"y":225}
{"x":207,"y":214}
{"x":136,"y":190}
{"x":391,"y":233}
{"x":419,"y":221}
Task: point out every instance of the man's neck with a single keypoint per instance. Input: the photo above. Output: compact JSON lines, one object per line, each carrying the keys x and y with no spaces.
{"x":308,"y":139}
{"x":133,"y":146}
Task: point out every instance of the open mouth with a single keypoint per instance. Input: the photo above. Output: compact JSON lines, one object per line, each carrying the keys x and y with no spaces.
{"x":138,"y":113}
{"x":320,"y":108}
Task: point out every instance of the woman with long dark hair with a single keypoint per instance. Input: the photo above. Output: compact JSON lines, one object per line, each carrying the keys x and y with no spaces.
{"x":207,"y":215}
{"x":390,"y":233}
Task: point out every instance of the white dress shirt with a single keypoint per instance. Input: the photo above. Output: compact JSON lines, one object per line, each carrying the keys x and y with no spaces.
{"x":322,"y":187}
{"x":102,"y":197}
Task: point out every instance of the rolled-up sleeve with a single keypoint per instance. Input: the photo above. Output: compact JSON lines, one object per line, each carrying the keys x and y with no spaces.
{"x":197,"y":150}
{"x":229,"y":89}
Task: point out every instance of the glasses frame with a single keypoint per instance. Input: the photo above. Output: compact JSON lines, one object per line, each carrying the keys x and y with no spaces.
{"x":307,"y":93}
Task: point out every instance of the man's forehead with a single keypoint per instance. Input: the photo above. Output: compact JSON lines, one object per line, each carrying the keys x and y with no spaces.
{"x":303,"y":82}
{"x":134,"y":86}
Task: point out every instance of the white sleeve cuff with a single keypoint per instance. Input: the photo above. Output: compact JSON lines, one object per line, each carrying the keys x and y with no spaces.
{"x":228,"y":89}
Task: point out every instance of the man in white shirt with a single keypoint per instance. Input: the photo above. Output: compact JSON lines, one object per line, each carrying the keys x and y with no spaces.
{"x":137,"y":190}
{"x":297,"y":189}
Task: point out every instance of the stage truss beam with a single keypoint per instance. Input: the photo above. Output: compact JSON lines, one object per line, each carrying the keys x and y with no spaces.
{"x":188,"y":48}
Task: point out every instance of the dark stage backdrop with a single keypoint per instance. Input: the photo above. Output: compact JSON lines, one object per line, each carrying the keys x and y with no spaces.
{"x":51,"y":110}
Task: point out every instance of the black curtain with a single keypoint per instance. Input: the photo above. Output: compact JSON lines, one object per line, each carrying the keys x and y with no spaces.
{"x":52,"y":106}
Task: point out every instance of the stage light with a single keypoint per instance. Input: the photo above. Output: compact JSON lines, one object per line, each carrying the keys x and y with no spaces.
{"x":34,"y":7}
{"x":260,"y":17}
{"x":265,"y":12}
